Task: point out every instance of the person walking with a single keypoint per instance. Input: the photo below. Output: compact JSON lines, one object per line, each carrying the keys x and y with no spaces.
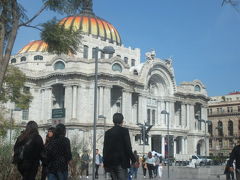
{"x":150,"y":164}
{"x":49,"y":137}
{"x":27,"y":151}
{"x":84,"y":163}
{"x":117,"y":149}
{"x":144,"y":166}
{"x":98,"y":163}
{"x":58,"y":155}
{"x":135,"y":166}
{"x":234,"y":156}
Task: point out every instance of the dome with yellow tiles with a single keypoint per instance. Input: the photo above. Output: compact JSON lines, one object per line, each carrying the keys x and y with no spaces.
{"x":86,"y":22}
{"x":89,"y":24}
{"x":34,"y":46}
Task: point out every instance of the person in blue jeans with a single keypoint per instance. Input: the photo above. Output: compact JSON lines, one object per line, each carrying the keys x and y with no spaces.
{"x":58,"y":155}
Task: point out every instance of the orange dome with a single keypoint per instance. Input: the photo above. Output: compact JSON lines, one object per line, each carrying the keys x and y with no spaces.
{"x":34,"y":46}
{"x":91,"y":24}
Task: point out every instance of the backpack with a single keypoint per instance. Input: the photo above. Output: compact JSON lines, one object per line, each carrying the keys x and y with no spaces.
{"x":19,"y":152}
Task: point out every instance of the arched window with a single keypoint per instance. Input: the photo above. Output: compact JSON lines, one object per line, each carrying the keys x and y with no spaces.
{"x":117,"y":67}
{"x":135,"y":72}
{"x":94,"y":53}
{"x":230,"y":128}
{"x":197,"y":88}
{"x":38,"y":57}
{"x":85,"y":52}
{"x":23,"y":58}
{"x":13,"y":60}
{"x":220,"y":128}
{"x":59,"y":65}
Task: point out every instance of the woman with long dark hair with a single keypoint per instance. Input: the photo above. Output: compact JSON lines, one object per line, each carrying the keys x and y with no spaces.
{"x":30,"y":144}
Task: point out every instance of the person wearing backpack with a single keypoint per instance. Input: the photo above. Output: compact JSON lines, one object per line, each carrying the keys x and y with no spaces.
{"x":84,"y":163}
{"x":27,"y":151}
{"x":98,"y":163}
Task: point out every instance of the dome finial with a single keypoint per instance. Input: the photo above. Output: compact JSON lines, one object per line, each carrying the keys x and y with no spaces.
{"x":87,"y":5}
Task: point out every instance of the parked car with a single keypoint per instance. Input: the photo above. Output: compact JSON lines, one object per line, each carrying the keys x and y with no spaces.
{"x":201,"y":160}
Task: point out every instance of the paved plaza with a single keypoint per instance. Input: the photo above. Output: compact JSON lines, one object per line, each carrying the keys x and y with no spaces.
{"x":184,"y":173}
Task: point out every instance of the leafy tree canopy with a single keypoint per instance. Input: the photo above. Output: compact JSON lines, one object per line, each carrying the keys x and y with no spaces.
{"x":14,"y":90}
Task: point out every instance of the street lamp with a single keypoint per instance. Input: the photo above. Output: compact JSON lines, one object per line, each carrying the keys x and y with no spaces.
{"x":205,"y":135}
{"x":167,"y":113}
{"x":105,"y":50}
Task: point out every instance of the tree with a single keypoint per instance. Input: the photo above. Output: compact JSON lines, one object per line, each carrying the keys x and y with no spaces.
{"x":13,"y":16}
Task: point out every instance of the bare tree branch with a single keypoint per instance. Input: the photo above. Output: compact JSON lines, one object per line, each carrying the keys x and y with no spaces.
{"x":35,"y":16}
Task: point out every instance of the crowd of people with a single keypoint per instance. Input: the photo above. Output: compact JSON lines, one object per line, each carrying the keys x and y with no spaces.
{"x":54,"y":155}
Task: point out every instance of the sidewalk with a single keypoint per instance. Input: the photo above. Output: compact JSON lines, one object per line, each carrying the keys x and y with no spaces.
{"x":179,"y":173}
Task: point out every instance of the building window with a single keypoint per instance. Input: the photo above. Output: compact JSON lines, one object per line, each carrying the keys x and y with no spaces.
{"x":23,"y":58}
{"x":229,"y":109}
{"x":26,"y":89}
{"x":117,"y":67}
{"x":197,"y":88}
{"x":13,"y":60}
{"x":153,"y":117}
{"x":59,"y":65}
{"x":220,"y":143}
{"x":110,"y":56}
{"x":25,"y":114}
{"x":85,"y":52}
{"x":220,"y":128}
{"x":230,"y":128}
{"x":210,"y":143}
{"x":38,"y":57}
{"x":238,"y":108}
{"x":133,"y":61}
{"x":119,"y":56}
{"x":231,"y":143}
{"x":210,"y":129}
{"x":126,"y":60}
{"x":94,"y":53}
{"x":148,"y":116}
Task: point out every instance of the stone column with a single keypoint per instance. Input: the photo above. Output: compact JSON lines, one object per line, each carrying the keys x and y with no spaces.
{"x":42,"y":105}
{"x":183,"y":117}
{"x":48,"y":104}
{"x":107,"y":104}
{"x":100,"y":102}
{"x":188,"y":116}
{"x":68,"y":103}
{"x":74,"y":102}
{"x":183,"y":149}
{"x":140,"y":109}
{"x":171,"y":115}
{"x":163,"y":146}
{"x":174,"y":148}
{"x":127,"y":106}
{"x":186,"y":145}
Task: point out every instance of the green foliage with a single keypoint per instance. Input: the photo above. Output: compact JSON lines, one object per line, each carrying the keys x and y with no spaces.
{"x":64,"y":6}
{"x":4,"y":124}
{"x":59,"y":39}
{"x":13,"y":88}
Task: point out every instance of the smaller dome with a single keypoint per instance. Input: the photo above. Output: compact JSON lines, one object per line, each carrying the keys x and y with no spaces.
{"x":34,"y":46}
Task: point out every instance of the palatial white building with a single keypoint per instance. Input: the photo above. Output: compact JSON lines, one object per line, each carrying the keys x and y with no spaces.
{"x":63,"y":91}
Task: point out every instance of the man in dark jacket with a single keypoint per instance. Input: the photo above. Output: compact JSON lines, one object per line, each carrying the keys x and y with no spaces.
{"x":235,"y":155}
{"x":117,"y":150}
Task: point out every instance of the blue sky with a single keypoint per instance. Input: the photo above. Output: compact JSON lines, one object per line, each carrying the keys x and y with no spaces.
{"x":201,"y":36}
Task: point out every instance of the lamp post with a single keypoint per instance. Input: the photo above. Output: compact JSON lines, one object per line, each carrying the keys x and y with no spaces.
{"x":145,"y":128}
{"x":105,"y":50}
{"x":167,"y":113}
{"x":205,"y":134}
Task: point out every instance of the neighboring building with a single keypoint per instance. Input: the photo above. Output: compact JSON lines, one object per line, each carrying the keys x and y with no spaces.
{"x":224,"y":112}
{"x":63,"y":91}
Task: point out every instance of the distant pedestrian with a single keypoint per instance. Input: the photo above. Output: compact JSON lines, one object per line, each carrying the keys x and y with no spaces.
{"x":144,"y":166}
{"x":27,"y":151}
{"x":98,"y":163}
{"x":235,"y":155}
{"x":150,"y":164}
{"x":135,"y":166}
{"x":117,"y":149}
{"x":84,"y":164}
{"x":49,"y":137}
{"x":58,"y":155}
